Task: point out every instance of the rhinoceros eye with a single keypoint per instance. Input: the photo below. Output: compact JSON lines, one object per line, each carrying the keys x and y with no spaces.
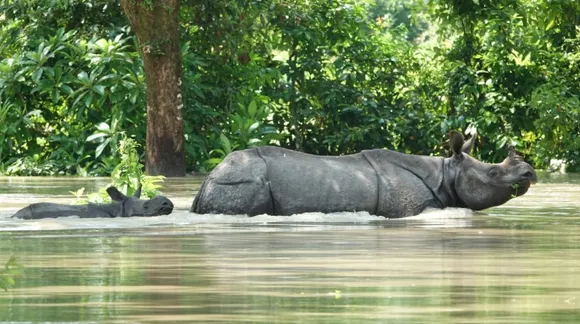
{"x":494,"y":172}
{"x":528,"y":174}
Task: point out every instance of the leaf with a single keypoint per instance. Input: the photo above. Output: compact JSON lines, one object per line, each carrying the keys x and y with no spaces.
{"x":84,"y":78}
{"x":254,"y":126}
{"x":42,"y":86}
{"x":528,"y":59}
{"x":226,"y":144}
{"x":101,"y":147}
{"x":102,"y":44}
{"x":96,"y":136}
{"x":214,"y":161}
{"x":550,"y":24}
{"x":67,"y":89}
{"x":252,"y":108}
{"x":88,"y":99}
{"x":100,"y":89}
{"x":37,"y":75}
{"x":55,"y":95}
{"x":50,"y":71}
{"x":254,"y":142}
{"x":79,"y":97}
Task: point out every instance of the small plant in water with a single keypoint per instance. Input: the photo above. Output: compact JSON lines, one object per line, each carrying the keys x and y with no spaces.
{"x":126,"y":176}
{"x":11,"y":270}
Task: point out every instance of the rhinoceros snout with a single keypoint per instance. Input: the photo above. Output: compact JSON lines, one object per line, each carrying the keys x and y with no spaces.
{"x":530,"y":176}
{"x":166,"y":208}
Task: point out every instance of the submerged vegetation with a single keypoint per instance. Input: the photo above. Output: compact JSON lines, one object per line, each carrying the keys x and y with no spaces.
{"x":324,"y":77}
{"x":12,"y":269}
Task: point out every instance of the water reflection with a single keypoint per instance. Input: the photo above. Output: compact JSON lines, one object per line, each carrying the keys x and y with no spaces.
{"x":517,"y":263}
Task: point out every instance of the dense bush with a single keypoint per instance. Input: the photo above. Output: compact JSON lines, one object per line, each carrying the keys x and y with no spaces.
{"x":325,"y":77}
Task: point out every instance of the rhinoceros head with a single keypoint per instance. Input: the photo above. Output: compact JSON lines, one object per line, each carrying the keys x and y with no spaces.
{"x":481,"y":185}
{"x":133,"y":206}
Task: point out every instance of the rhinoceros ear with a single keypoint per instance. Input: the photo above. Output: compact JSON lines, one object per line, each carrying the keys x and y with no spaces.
{"x":456,"y":142}
{"x":514,"y":155}
{"x":115,"y":194}
{"x":137,"y":193}
{"x":468,"y":146}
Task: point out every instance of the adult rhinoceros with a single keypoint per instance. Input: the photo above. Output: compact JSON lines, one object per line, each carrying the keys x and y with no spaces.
{"x":277,"y":181}
{"x":122,"y":206}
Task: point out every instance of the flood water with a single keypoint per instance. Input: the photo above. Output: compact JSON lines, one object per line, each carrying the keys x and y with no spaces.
{"x":518,"y":263}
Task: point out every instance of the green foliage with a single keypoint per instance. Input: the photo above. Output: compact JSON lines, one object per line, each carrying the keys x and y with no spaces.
{"x":247,"y":130}
{"x":58,"y":85}
{"x":12,"y":269}
{"x":127,"y":176}
{"x":325,"y":77}
{"x":512,"y":72}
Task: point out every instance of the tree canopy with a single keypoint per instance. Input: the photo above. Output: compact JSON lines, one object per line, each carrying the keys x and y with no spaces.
{"x":325,"y":77}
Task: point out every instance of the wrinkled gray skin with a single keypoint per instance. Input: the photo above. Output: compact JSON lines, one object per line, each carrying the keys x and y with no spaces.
{"x":122,"y":206}
{"x":277,"y":181}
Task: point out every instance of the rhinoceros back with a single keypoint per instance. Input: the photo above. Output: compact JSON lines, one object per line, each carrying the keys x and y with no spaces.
{"x":52,"y":210}
{"x":302,"y":182}
{"x":277,"y":181}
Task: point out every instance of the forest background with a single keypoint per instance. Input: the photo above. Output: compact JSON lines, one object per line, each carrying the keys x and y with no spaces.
{"x":319,"y":76}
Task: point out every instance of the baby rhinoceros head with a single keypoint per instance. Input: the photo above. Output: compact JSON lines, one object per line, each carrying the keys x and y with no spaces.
{"x":133,"y":206}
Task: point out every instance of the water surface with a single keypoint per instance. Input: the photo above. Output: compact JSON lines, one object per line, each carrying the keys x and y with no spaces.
{"x":517,"y":263}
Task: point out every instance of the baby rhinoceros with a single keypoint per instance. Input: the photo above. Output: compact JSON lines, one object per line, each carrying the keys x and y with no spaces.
{"x":122,"y":206}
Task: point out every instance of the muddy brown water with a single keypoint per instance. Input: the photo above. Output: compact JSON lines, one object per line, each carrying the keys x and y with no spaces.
{"x":517,"y":263}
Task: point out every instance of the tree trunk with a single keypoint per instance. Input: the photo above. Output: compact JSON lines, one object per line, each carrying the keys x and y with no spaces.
{"x":156,"y":25}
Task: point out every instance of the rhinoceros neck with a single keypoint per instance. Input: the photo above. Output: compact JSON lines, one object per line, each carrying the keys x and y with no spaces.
{"x":433,"y":171}
{"x":448,"y":185}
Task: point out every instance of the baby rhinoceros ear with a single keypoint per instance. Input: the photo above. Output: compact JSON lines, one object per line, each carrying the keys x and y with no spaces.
{"x":137,"y":193}
{"x":115,"y":194}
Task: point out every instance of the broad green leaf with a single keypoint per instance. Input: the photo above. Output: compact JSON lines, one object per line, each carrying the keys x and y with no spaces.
{"x":50,"y":71}
{"x":88,"y":99}
{"x":101,"y":147}
{"x":37,"y":74}
{"x":100,"y":89}
{"x":84,"y":78}
{"x":213,"y":161}
{"x":96,"y":136}
{"x":254,"y":126}
{"x":67,"y":89}
{"x":226,"y":144}
{"x":254,"y":142}
{"x":252,"y":109}
{"x":55,"y":95}
{"x":102,"y":44}
{"x":104,"y":127}
{"x":79,"y":97}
